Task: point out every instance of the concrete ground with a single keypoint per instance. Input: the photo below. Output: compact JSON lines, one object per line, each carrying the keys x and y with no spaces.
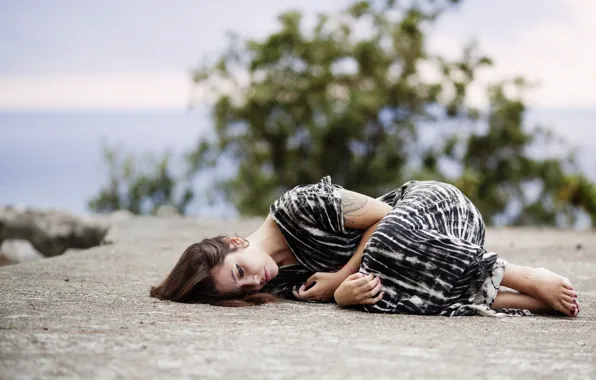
{"x":88,"y":315}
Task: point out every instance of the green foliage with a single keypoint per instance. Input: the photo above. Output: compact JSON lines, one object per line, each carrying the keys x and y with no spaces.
{"x":351,"y":97}
{"x":497,"y":165}
{"x":139,"y":185}
{"x":329,"y":101}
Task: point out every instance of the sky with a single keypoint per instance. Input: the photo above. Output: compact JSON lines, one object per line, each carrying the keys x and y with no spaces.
{"x":137,"y":54}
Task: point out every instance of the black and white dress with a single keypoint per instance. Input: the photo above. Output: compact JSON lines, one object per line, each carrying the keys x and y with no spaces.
{"x":428,"y":250}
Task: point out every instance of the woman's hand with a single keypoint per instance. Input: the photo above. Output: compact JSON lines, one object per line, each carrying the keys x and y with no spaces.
{"x":326,"y":284}
{"x":359,"y":289}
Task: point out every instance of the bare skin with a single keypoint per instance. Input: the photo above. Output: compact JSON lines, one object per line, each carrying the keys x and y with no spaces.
{"x":542,"y":291}
{"x":512,"y":300}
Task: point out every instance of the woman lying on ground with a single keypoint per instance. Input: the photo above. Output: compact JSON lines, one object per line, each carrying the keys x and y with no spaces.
{"x":416,"y":250}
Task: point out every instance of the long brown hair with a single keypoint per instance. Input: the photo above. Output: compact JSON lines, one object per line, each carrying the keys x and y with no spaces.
{"x":191,"y":282}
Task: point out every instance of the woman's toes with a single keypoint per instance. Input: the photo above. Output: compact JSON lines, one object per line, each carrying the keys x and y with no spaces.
{"x":570,"y":308}
{"x":567,"y":283}
{"x":569,"y":293}
{"x":571,"y":300}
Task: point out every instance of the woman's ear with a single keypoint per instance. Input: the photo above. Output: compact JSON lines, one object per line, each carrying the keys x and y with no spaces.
{"x":236,"y":242}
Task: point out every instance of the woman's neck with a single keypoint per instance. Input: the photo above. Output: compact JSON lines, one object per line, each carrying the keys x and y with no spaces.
{"x":270,"y":239}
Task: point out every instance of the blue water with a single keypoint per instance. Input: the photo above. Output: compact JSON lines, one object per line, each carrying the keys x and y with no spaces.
{"x":53,"y":159}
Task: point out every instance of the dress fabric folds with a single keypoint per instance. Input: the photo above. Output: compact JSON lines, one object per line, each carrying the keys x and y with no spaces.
{"x":428,"y":250}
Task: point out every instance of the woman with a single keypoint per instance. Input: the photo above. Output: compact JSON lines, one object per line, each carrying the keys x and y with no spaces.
{"x":417,"y":249}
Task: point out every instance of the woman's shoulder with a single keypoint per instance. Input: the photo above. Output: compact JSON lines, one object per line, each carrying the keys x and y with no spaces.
{"x":315,"y":204}
{"x":306,"y":193}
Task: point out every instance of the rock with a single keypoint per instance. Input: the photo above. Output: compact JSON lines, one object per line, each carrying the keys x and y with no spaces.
{"x":167,"y":211}
{"x":18,"y":251}
{"x":4,"y":260}
{"x":50,"y":232}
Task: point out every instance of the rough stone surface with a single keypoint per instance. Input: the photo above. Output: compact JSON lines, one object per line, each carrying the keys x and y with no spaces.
{"x":88,"y":315}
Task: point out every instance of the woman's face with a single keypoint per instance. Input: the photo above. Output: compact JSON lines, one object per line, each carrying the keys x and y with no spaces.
{"x":248,"y":268}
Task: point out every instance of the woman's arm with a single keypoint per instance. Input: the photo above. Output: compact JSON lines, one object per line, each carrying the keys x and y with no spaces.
{"x":361,"y":212}
{"x":354,"y":264}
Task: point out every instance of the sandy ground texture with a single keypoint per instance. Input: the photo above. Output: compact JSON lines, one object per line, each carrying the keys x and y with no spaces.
{"x":87,"y":315}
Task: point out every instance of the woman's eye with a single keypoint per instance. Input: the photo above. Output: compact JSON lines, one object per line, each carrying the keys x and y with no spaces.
{"x":240,"y":271}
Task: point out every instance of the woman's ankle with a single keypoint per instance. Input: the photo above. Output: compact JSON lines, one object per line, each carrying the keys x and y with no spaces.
{"x":520,"y":278}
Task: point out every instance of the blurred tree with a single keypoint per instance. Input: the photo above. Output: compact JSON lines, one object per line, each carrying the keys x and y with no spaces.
{"x":343,"y":99}
{"x":499,"y":170}
{"x":140,"y":185}
{"x":351,"y":98}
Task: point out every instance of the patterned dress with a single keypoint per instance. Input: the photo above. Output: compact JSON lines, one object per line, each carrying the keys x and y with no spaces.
{"x":428,"y":251}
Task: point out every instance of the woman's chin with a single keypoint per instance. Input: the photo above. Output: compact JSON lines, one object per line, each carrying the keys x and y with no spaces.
{"x":273,"y":272}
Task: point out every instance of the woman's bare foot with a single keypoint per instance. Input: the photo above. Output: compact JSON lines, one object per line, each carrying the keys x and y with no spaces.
{"x":554,"y":290}
{"x":550,"y":288}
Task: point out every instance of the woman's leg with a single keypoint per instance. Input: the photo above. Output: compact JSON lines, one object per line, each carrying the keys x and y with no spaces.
{"x":513,"y":300}
{"x":545,"y":287}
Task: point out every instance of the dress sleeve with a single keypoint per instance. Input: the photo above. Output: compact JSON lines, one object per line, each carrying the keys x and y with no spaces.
{"x":317,"y":206}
